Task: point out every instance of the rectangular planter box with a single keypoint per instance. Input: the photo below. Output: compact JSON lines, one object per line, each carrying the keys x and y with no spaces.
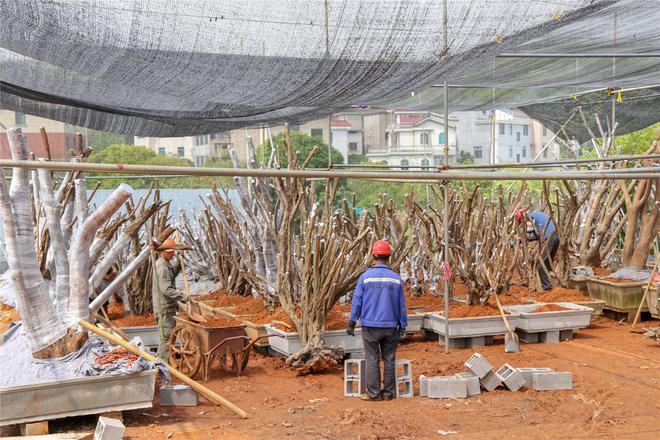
{"x":578,"y":283}
{"x":617,"y":296}
{"x":577,"y":317}
{"x":76,"y":397}
{"x":653,"y":300}
{"x":290,"y":342}
{"x":150,"y":335}
{"x":415,"y":321}
{"x":469,"y":327}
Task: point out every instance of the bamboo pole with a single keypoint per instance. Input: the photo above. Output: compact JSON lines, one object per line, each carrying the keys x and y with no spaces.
{"x":652,"y":173}
{"x":646,"y":291}
{"x":206,"y":392}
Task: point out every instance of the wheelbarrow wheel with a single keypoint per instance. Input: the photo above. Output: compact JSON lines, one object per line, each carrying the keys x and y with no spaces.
{"x":235,"y":363}
{"x":185,"y":351}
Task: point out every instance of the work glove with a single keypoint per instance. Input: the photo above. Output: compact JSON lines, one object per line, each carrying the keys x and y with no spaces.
{"x":402,"y":333}
{"x":350,"y":330}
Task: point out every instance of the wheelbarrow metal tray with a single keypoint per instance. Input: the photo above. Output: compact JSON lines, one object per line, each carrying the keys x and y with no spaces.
{"x":76,"y":397}
{"x":212,"y":336}
{"x":149,"y":334}
{"x":290,"y":343}
{"x":575,"y":318}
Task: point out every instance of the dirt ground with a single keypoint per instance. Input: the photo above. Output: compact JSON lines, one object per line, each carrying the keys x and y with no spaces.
{"x":617,"y":395}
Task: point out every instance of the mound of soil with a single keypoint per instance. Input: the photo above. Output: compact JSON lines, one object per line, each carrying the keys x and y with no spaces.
{"x":336,"y":319}
{"x":215,"y":295}
{"x":8,"y":315}
{"x":549,"y":308}
{"x":429,"y":301}
{"x":135,"y":321}
{"x":459,"y":310}
{"x":220,"y":321}
{"x":560,"y":294}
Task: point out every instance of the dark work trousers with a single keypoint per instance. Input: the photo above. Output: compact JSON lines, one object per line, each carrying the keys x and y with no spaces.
{"x":380,"y":342}
{"x":552,"y":251}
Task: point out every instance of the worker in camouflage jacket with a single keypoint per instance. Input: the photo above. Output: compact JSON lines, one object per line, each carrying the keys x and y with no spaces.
{"x":165,"y":294}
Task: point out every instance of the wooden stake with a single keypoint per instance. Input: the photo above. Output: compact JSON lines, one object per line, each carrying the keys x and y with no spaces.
{"x":207,"y":393}
{"x":646,"y":291}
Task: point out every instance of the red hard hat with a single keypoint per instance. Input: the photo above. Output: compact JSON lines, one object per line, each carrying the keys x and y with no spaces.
{"x":381,"y":247}
{"x":168,"y":245}
{"x":519,"y":214}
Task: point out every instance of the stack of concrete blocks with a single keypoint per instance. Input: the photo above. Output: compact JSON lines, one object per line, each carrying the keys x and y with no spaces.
{"x":527,"y":373}
{"x":355,"y":383}
{"x":404,"y":383}
{"x":472,"y":383}
{"x":481,"y":368}
{"x":511,"y":377}
{"x":547,"y":337}
{"x":109,"y":429}
{"x":443,"y":387}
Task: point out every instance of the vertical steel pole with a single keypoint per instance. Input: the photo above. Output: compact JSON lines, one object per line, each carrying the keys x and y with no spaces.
{"x":446,"y":213}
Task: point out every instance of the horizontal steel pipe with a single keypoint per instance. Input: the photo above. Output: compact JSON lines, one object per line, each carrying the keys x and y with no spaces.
{"x":411,"y":175}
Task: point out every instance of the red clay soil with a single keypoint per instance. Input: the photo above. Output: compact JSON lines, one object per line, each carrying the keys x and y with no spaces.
{"x":549,"y":308}
{"x":460,"y":310}
{"x":601,"y":271}
{"x":336,"y":319}
{"x":116,"y":310}
{"x":8,"y":315}
{"x":215,"y":295}
{"x":620,"y":281}
{"x":135,"y":321}
{"x":560,"y":294}
{"x":220,"y":321}
{"x":282,"y":405}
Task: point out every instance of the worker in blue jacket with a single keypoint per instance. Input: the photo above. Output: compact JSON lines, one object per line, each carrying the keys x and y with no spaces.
{"x":540,"y":224}
{"x":380,"y":306}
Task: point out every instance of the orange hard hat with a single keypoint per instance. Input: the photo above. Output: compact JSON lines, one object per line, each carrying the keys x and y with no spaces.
{"x":381,"y":247}
{"x":519,"y":214}
{"x":168,"y":245}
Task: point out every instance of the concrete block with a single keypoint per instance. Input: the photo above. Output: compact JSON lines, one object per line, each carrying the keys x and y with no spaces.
{"x":559,"y":380}
{"x":37,"y":428}
{"x":355,"y":382}
{"x":475,"y":342}
{"x":473,"y":386}
{"x":453,"y":342}
{"x":478,"y":365}
{"x":404,"y":388}
{"x":403,"y":368}
{"x":527,"y":373}
{"x":565,"y":335}
{"x":490,"y":381}
{"x":109,"y":429}
{"x":178,"y":395}
{"x":423,"y":386}
{"x":511,"y":377}
{"x":551,"y":337}
{"x":444,"y":387}
{"x":529,"y":338}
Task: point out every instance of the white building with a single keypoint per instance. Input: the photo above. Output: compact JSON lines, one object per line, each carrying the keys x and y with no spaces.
{"x":414,"y":139}
{"x":503,"y":137}
{"x":347,"y":135}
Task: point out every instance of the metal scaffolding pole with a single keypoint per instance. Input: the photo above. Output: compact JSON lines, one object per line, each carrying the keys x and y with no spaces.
{"x":429,"y":176}
{"x":447,"y":271}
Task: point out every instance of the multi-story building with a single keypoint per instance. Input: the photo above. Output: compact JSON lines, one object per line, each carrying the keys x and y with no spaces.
{"x":503,"y":136}
{"x":61,"y":136}
{"x":411,"y":138}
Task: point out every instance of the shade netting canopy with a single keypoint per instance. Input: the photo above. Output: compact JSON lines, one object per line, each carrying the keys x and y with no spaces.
{"x":173,"y":68}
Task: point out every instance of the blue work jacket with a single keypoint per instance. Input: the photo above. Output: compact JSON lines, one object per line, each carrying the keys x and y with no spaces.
{"x":540,"y":220}
{"x":379,"y":299}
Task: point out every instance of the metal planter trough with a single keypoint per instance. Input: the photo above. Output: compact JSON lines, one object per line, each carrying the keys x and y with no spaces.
{"x":469,"y":327}
{"x":76,"y":397}
{"x":149,"y":334}
{"x":620,"y":297}
{"x":575,"y":318}
{"x":290,"y":343}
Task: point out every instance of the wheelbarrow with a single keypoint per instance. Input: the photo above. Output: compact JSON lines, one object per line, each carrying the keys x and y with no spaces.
{"x":194,"y":346}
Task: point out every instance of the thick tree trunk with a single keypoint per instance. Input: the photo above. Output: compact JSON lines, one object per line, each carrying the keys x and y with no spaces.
{"x":79,"y":271}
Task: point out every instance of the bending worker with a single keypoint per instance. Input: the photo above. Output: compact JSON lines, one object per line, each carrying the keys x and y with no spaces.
{"x":165,"y":294}
{"x":380,"y":306}
{"x":541,"y":224}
